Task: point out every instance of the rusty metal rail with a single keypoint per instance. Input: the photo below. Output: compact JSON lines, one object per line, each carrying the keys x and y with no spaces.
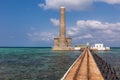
{"x":107,"y":71}
{"x":84,"y":68}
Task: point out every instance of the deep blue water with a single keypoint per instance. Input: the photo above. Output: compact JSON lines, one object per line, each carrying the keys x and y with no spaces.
{"x":43,"y":63}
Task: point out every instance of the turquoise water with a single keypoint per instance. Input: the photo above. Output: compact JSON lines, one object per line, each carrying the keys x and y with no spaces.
{"x":34,"y":63}
{"x":42,"y":63}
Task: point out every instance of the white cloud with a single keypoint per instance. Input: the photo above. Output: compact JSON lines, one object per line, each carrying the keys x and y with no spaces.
{"x":73,"y":4}
{"x":54,"y":21}
{"x":69,"y":4}
{"x":95,"y":30}
{"x":40,"y":36}
{"x":85,"y":31}
{"x":110,"y":1}
{"x":93,"y":24}
{"x":87,"y":36}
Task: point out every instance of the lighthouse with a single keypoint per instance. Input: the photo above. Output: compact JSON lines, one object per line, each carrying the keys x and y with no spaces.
{"x":62,"y":42}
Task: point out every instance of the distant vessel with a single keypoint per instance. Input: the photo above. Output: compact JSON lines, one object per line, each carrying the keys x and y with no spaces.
{"x":99,"y":47}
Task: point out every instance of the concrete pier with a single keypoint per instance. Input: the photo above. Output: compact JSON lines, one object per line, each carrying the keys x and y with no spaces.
{"x":86,"y":68}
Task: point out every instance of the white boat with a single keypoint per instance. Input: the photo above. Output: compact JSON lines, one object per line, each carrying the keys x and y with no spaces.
{"x":99,"y":47}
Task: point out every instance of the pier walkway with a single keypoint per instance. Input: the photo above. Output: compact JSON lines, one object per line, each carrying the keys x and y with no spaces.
{"x":86,"y":68}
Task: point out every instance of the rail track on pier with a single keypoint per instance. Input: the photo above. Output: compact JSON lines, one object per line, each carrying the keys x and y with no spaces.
{"x":84,"y":68}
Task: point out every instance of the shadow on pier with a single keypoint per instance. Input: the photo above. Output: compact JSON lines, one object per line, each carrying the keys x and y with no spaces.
{"x":107,"y":71}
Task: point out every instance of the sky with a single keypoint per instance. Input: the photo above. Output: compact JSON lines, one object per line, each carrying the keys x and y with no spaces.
{"x":34,"y":23}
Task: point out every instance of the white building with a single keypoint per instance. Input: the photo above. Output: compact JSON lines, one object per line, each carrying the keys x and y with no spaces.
{"x":99,"y":47}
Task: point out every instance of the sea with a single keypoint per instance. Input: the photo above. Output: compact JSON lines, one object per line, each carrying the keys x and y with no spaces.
{"x":41,"y":63}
